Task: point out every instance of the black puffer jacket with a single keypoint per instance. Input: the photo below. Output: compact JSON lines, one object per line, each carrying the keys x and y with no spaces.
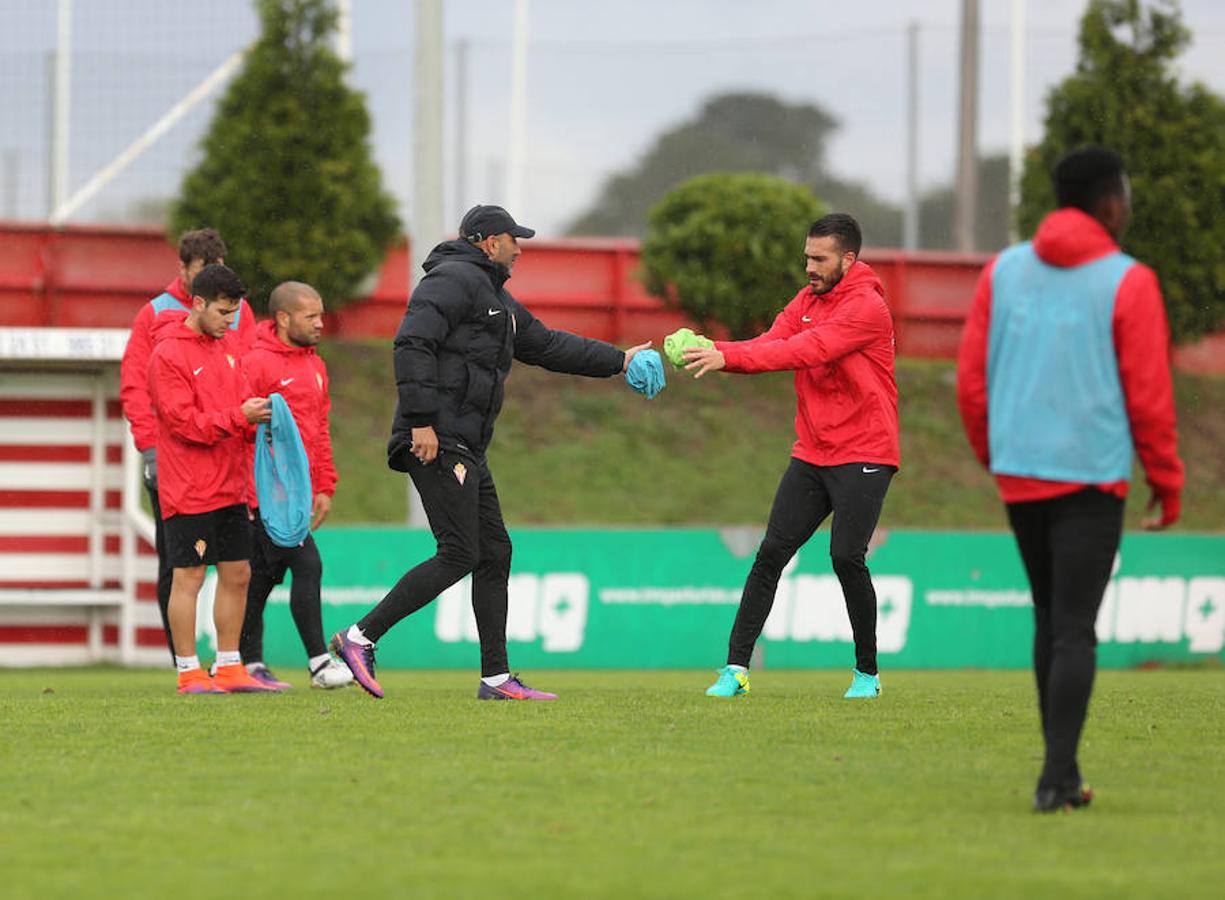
{"x":454,"y":349}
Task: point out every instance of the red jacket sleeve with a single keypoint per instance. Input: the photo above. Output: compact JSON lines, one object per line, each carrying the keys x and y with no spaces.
{"x":861,"y":320}
{"x":323,"y":469}
{"x":171,"y":388}
{"x":783,"y":327}
{"x":1142,"y":345}
{"x":972,"y":367}
{"x":134,"y":380}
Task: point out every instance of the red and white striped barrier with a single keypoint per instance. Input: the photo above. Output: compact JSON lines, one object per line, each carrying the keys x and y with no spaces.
{"x":77,"y":567}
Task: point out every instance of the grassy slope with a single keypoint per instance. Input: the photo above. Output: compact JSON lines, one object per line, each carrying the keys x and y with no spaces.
{"x":630,"y":786}
{"x":580,"y":451}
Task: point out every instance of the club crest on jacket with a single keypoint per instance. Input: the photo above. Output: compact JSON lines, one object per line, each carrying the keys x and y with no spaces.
{"x":461,"y":472}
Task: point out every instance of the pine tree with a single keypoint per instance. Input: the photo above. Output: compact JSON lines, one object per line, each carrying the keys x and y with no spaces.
{"x":1126,"y":95}
{"x":287,"y":174}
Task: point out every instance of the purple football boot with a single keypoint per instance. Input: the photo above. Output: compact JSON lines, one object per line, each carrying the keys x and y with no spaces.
{"x":511,"y":689}
{"x":360,"y":660}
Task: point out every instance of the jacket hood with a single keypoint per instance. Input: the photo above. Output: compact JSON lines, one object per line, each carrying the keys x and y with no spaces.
{"x":461,"y":251}
{"x":178,"y":291}
{"x":1068,"y":237}
{"x":266,"y":339}
{"x":857,"y":278}
{"x":173,"y":324}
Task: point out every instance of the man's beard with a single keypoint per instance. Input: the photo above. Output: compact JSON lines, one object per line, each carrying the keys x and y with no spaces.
{"x":826,"y":285}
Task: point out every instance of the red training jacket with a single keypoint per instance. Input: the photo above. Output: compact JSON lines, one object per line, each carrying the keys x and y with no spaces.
{"x":840,"y":345}
{"x":134,"y":370}
{"x":197,"y":388}
{"x":1141,"y":335}
{"x":299,"y":375}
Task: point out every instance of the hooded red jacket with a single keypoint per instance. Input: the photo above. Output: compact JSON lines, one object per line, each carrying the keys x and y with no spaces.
{"x":1141,"y":335}
{"x":197,"y":389}
{"x":840,"y":345}
{"x":299,"y":375}
{"x":134,"y":370}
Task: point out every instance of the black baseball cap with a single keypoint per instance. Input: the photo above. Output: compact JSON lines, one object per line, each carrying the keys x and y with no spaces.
{"x":480,"y":222}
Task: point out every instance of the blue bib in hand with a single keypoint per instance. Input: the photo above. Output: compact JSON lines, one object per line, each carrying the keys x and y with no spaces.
{"x":282,"y":477}
{"x":646,"y":373}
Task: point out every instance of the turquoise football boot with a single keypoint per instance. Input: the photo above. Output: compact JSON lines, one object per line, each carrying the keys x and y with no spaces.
{"x":731,"y":683}
{"x":863,"y":687}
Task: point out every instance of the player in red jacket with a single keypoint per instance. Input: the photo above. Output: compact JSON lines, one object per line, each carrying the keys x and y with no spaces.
{"x":196,"y":250}
{"x":205,"y":413}
{"x":284,"y":361}
{"x":837,"y":336}
{"x":1063,"y":375}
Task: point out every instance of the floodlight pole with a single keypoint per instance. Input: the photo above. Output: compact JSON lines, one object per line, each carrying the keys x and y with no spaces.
{"x":1016,"y":150}
{"x":967,"y":131}
{"x":427,"y":228}
{"x":62,"y":115}
{"x":344,"y":30}
{"x":462,"y":201}
{"x":910,"y":222}
{"x":518,"y":110}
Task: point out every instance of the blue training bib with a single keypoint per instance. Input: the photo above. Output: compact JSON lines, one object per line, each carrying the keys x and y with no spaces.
{"x":282,"y":477}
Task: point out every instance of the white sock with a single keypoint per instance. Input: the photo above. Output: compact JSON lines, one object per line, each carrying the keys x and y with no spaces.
{"x":737,"y":668}
{"x":495,"y":680}
{"x":228,"y":658}
{"x":315,"y":663}
{"x":355,"y":634}
{"x":258,"y":664}
{"x":186,"y":663}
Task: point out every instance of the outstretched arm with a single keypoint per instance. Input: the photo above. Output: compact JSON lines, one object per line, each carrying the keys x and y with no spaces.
{"x":561,"y":351}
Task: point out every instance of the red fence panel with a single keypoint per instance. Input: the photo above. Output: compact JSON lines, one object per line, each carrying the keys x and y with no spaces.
{"x":99,"y":277}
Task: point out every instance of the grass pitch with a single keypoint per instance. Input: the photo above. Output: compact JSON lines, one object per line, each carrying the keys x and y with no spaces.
{"x":632,"y":785}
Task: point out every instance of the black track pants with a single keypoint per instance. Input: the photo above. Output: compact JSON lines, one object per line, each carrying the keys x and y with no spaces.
{"x":1068,"y":546}
{"x":461,"y":502}
{"x":269,"y":563}
{"x":165,"y":572}
{"x":806,"y":495}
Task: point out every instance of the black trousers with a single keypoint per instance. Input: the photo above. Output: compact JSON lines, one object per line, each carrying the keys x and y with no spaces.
{"x":165,"y":572}
{"x":1068,"y":546}
{"x":461,"y":502}
{"x":269,"y":563}
{"x":806,"y":495}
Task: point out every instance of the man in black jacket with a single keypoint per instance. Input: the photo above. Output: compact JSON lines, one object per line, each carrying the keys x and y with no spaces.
{"x":453,"y":353}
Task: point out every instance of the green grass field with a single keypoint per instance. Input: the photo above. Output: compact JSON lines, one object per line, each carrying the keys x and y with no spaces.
{"x":633,"y":785}
{"x":583,"y":451}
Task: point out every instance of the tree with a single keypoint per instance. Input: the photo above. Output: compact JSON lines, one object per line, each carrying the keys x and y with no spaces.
{"x":287,"y":175}
{"x":1126,"y":95}
{"x":727,"y":248}
{"x":736,"y":132}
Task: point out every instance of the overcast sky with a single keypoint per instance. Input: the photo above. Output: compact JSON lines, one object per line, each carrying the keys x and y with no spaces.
{"x":604,"y":78}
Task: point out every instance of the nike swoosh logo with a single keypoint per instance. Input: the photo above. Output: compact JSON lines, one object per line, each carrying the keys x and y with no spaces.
{"x":197,"y":371}
{"x":868,"y":471}
{"x":285,"y":381}
{"x":494,"y":312}
{"x":805,"y":318}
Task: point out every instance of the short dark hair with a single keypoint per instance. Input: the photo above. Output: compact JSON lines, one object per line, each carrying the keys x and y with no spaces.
{"x":215,"y":282}
{"x":285,"y":294}
{"x":1088,"y":175}
{"x":204,"y":244}
{"x":842,"y":227}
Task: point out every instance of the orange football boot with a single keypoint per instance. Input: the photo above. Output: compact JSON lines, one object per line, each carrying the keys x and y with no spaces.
{"x":235,"y":679}
{"x":196,"y":681}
